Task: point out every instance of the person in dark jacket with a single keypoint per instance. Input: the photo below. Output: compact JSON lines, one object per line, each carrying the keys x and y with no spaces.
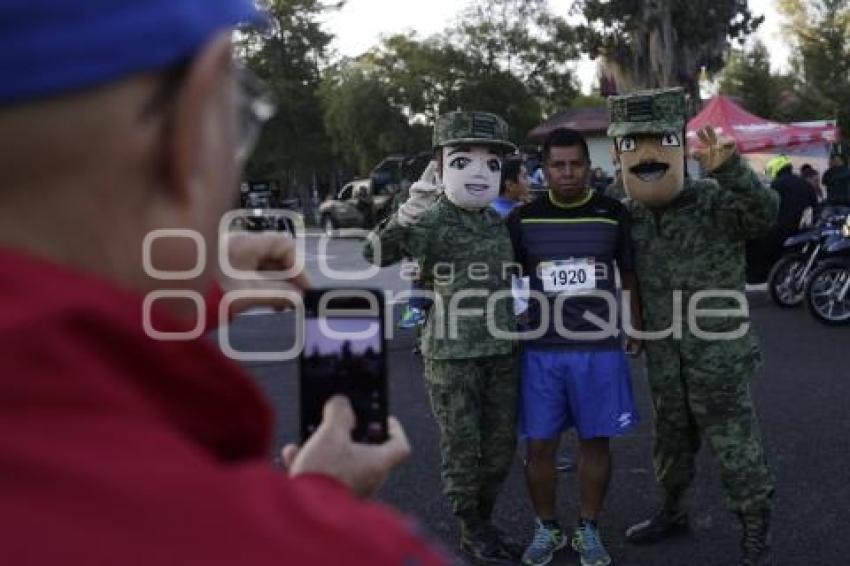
{"x":812,"y":177}
{"x":795,"y":196}
{"x":836,"y":179}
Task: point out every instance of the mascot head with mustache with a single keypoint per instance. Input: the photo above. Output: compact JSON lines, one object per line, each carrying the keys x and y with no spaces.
{"x":649,"y":138}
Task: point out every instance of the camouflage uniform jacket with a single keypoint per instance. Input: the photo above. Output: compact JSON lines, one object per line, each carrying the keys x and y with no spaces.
{"x":697,"y":244}
{"x":453,"y":246}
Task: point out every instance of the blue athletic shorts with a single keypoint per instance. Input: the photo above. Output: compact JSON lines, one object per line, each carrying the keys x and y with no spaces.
{"x":561,"y":389}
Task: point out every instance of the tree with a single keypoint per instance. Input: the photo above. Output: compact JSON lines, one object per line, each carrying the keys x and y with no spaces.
{"x":524,"y":39}
{"x":510,"y":57}
{"x":426,"y":78}
{"x":288,"y":56}
{"x":660,"y":43}
{"x":361,"y":122}
{"x":821,"y":32}
{"x":747,"y":76}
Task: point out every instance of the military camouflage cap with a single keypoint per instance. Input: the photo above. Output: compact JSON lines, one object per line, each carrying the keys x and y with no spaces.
{"x":647,"y":112}
{"x":478,"y":128}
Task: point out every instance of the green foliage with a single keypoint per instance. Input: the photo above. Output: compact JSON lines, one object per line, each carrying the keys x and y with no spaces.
{"x":588,"y":101}
{"x":362,"y":124}
{"x":747,"y":76}
{"x":424,"y":77}
{"x":510,"y":57}
{"x":524,"y":39}
{"x":821,"y":30}
{"x":288,"y":56}
{"x":428,"y":78}
{"x":663,"y":43}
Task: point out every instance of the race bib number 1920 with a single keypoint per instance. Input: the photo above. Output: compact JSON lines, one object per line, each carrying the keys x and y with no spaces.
{"x":568,"y":276}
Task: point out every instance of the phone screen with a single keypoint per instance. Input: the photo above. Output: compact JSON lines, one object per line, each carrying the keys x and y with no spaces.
{"x":344,"y":355}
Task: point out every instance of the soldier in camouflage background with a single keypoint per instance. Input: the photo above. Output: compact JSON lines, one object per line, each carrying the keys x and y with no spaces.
{"x":688,"y":237}
{"x":462,"y":245}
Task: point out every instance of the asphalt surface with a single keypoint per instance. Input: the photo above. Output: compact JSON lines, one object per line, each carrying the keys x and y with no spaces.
{"x":801,"y":396}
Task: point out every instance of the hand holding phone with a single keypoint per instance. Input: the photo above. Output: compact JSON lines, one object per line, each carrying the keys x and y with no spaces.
{"x":331,"y":451}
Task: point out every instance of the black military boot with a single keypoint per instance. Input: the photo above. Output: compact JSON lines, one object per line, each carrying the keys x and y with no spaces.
{"x":480,"y":543}
{"x":756,"y":547}
{"x":668,"y":521}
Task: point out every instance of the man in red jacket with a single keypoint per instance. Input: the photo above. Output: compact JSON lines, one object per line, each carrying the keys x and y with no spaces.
{"x":119,"y":118}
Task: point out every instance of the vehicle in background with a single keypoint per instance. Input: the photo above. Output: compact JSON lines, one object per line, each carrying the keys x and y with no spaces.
{"x":258,"y":200}
{"x":352,"y":208}
{"x":828,"y":289}
{"x":788,"y":278}
{"x":362,"y":203}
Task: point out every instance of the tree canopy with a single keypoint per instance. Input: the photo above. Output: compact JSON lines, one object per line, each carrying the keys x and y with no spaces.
{"x":289,"y":56}
{"x":340,"y":116}
{"x":663,"y":42}
{"x":748,"y":77}
{"x":821,"y":36}
{"x":362,"y":124}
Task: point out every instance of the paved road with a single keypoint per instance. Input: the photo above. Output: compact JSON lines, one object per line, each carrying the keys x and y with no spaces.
{"x":802,"y":398}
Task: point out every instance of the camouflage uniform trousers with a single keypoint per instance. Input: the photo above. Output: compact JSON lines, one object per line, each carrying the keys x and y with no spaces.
{"x":474,"y":402}
{"x":697,"y":390}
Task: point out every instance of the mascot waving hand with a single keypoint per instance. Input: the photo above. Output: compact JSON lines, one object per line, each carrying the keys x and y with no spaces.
{"x":688,"y":238}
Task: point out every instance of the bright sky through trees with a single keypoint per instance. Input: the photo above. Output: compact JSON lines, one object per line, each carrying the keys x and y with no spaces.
{"x":360,"y":24}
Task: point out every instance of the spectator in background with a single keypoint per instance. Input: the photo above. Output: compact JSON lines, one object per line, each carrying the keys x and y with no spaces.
{"x":795,"y":196}
{"x":836,"y":179}
{"x":126,"y":448}
{"x":538,"y":178}
{"x":599,"y":181}
{"x":514,"y":189}
{"x":812,"y":177}
{"x":616,"y":190}
{"x":366,"y":206}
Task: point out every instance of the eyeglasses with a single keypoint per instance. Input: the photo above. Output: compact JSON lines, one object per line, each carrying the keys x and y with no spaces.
{"x":254,"y":103}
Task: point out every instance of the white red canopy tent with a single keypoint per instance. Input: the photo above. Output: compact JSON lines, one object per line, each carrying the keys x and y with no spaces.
{"x":754,"y":134}
{"x":759,"y":139}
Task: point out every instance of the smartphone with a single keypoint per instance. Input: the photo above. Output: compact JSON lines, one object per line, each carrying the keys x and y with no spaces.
{"x":344,"y":354}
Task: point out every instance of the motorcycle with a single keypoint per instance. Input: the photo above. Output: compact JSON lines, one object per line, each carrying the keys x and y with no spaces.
{"x":828,"y":290}
{"x":787,"y":279}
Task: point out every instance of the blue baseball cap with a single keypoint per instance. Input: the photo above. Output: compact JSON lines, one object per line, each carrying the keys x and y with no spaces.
{"x":48,"y":47}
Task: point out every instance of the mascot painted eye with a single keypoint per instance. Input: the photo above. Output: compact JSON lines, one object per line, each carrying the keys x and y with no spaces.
{"x":460,"y":163}
{"x":670,"y":140}
{"x":628,"y":144}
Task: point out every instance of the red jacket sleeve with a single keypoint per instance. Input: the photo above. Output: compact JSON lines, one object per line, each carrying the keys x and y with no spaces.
{"x":107,"y":491}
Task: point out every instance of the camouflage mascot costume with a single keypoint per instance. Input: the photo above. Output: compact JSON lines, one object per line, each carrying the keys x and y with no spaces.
{"x":462,"y":246}
{"x":689,"y":240}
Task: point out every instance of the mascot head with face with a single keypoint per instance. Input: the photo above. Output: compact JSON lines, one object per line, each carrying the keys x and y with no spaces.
{"x":649,"y":138}
{"x":469,"y":147}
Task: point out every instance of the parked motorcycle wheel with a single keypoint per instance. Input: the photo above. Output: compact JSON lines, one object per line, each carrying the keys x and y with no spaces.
{"x":786,"y":287}
{"x":823,"y":295}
